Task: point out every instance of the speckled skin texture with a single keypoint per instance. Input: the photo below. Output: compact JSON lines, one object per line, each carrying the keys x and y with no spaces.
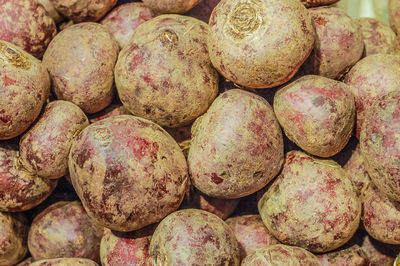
{"x":276,"y":255}
{"x":64,"y":230}
{"x":15,"y":15}
{"x":110,"y":111}
{"x":353,"y":256}
{"x":312,"y":204}
{"x":381,"y":216}
{"x":45,"y":147}
{"x":223,"y":208}
{"x":122,"y":21}
{"x":81,"y":60}
{"x":128,"y":249}
{"x":378,"y":253}
{"x":51,"y":10}
{"x":380,"y":144}
{"x":19,"y":189}
{"x":371,"y":78}
{"x":171,"y":6}
{"x":251,"y":49}
{"x":203,"y":10}
{"x":83,"y":10}
{"x":378,"y":37}
{"x":236,"y":147}
{"x":193,"y":237}
{"x":65,"y":262}
{"x":251,"y":233}
{"x":13,"y":234}
{"x":313,"y":3}
{"x":394,"y":15}
{"x":317,"y":114}
{"x":164,"y":74}
{"x":339,"y":43}
{"x":128,"y":172}
{"x":357,"y":173}
{"x":25,"y":86}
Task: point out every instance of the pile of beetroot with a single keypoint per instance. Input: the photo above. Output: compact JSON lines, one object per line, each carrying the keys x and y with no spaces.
{"x":198,"y":132}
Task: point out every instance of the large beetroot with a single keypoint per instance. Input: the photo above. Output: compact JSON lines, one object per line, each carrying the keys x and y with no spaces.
{"x":128,"y":172}
{"x":236,"y":147}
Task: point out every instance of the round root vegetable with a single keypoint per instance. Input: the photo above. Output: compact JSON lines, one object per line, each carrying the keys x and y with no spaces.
{"x":380,"y":145}
{"x":19,"y":189}
{"x":236,"y":147}
{"x":357,"y":173}
{"x":281,"y":255}
{"x":223,"y":208}
{"x":353,"y":256}
{"x":128,"y":172}
{"x":381,"y":216}
{"x":80,"y":60}
{"x":45,"y":147}
{"x":191,"y":236}
{"x":171,"y":6}
{"x":317,"y":114}
{"x":122,"y":21}
{"x":378,"y":37}
{"x":83,"y":10}
{"x":339,"y":43}
{"x":13,"y":234}
{"x":250,"y":48}
{"x":203,"y":10}
{"x":394,"y":15}
{"x":251,"y":233}
{"x":25,"y":86}
{"x":110,"y":111}
{"x":65,"y":262}
{"x":26,"y":24}
{"x":126,"y":248}
{"x":312,"y":204}
{"x":311,"y":3}
{"x":64,"y":230}
{"x":165,"y":74}
{"x":371,"y":78}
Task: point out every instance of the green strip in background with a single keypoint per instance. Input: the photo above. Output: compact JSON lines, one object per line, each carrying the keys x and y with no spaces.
{"x":366,"y":8}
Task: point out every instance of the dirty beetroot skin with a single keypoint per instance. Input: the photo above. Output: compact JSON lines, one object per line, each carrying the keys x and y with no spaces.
{"x":223,"y":208}
{"x":378,"y":37}
{"x":339,"y":43}
{"x":122,"y":21}
{"x":312,"y":204}
{"x":353,"y":256}
{"x":171,"y":6}
{"x":380,"y":145}
{"x":249,"y":48}
{"x":357,"y":173}
{"x":65,"y":262}
{"x":81,"y":60}
{"x":381,"y":216}
{"x":369,"y":79}
{"x":236,"y":147}
{"x":251,"y":233}
{"x":164,"y":74}
{"x":64,"y":230}
{"x":281,"y":255}
{"x":83,"y":10}
{"x":130,"y":248}
{"x":19,"y":189}
{"x":193,"y":237}
{"x":128,"y":172}
{"x":51,"y":10}
{"x":25,"y":86}
{"x":14,"y":229}
{"x":16,"y":15}
{"x":45,"y":147}
{"x":317,"y":114}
